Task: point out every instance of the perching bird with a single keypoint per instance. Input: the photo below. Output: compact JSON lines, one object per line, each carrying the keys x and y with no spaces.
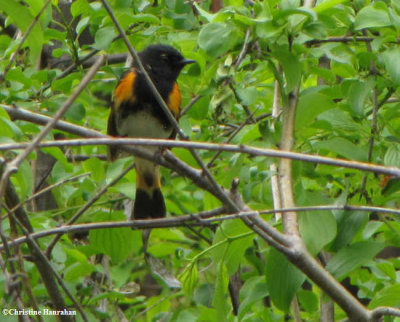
{"x":136,"y":113}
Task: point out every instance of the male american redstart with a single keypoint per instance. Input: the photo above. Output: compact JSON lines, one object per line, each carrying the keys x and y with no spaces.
{"x":135,"y":112}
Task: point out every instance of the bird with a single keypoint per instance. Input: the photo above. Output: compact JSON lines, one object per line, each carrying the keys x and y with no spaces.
{"x":136,"y":113}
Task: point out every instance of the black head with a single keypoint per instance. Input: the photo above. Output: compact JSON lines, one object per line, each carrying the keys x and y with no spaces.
{"x":163,"y":61}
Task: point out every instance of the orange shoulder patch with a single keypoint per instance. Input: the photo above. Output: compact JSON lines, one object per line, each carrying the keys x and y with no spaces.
{"x":124,"y":90}
{"x":174,"y":100}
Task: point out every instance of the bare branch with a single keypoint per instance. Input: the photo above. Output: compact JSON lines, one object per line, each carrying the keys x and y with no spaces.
{"x":285,"y":167}
{"x":199,"y":219}
{"x":338,"y":39}
{"x":275,"y":186}
{"x":381,"y":311}
{"x":252,"y":151}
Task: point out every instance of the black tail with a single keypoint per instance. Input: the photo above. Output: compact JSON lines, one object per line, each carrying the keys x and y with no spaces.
{"x":147,"y":206}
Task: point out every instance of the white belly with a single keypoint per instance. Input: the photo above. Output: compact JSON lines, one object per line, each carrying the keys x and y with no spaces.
{"x":143,"y":125}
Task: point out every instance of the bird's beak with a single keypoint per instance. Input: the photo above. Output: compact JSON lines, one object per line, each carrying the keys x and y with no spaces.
{"x":185,"y":61}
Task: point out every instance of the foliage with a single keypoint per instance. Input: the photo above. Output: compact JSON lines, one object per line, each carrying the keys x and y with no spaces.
{"x":345,"y":57}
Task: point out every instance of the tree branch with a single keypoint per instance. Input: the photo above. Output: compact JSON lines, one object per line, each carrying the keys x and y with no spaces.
{"x":200,"y":219}
{"x":103,"y":139}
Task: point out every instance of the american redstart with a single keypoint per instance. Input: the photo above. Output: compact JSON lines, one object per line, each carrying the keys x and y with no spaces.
{"x":135,"y":112}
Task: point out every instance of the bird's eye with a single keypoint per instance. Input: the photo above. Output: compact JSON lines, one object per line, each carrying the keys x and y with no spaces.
{"x":164,"y":57}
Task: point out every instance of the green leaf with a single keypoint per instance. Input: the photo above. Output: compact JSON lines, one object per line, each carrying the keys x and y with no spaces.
{"x":389,"y":296}
{"x":358,"y":93}
{"x":117,"y":243}
{"x":78,"y":270}
{"x":308,"y":300}
{"x":186,"y":156}
{"x":115,"y":168}
{"x":216,"y":38}
{"x":299,"y":13}
{"x":199,"y":110}
{"x":221,"y":287}
{"x":8,"y":129}
{"x":291,"y":67}
{"x":24,"y":177}
{"x":340,"y":120}
{"x":82,"y":24}
{"x":151,"y":19}
{"x":104,"y":38}
{"x":392,"y":64}
{"x":349,"y":223}
{"x":327,"y":4}
{"x":352,"y":257}
{"x":203,"y":294}
{"x":22,"y":17}
{"x":189,"y":314}
{"x":96,"y":168}
{"x":247,"y":95}
{"x":283,"y":279}
{"x":309,"y":107}
{"x":126,"y":188}
{"x":254,"y":289}
{"x":374,"y":16}
{"x":79,"y":7}
{"x":392,"y":156}
{"x":343,"y":147}
{"x":232,"y":252}
{"x":189,"y":278}
{"x":317,"y":229}
{"x":208,"y":16}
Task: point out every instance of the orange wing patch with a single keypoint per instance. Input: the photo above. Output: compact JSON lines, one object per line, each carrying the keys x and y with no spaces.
{"x":124,"y":90}
{"x":174,"y":101}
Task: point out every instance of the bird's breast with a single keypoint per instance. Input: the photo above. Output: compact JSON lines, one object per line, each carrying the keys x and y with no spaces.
{"x":143,"y":124}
